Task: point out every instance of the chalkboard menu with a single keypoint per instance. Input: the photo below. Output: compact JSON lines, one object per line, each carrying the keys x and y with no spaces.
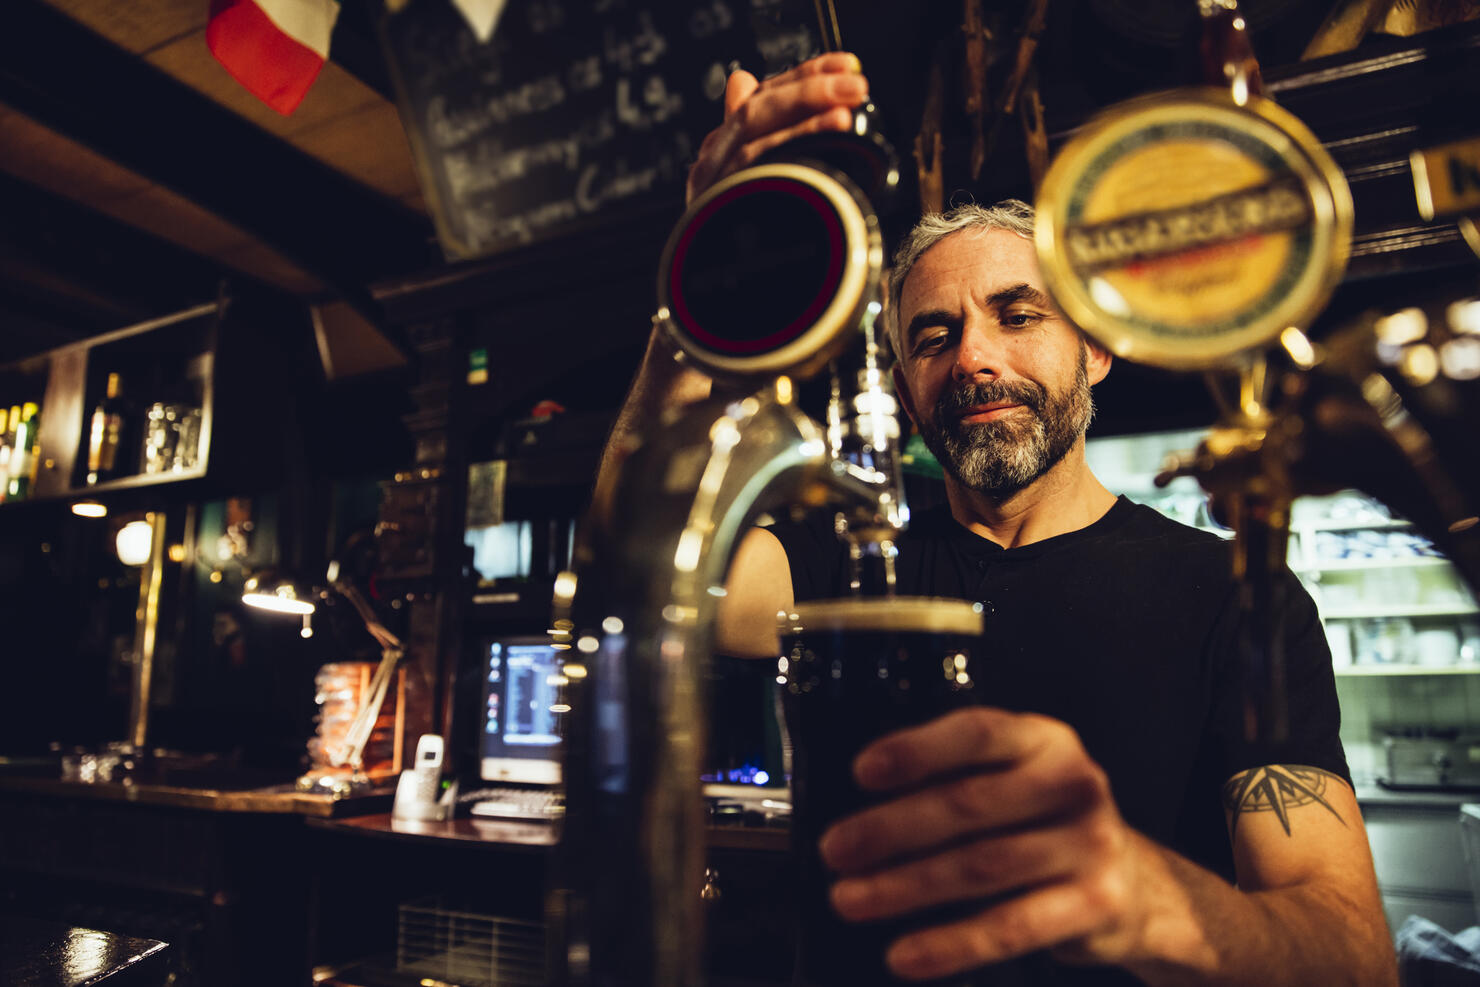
{"x":576,"y":113}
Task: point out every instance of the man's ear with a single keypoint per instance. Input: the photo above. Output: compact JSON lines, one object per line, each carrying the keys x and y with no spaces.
{"x":902,"y":391}
{"x":1097,"y":361}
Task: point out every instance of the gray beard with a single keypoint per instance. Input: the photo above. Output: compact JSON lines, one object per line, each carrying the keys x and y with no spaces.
{"x":999,"y":458}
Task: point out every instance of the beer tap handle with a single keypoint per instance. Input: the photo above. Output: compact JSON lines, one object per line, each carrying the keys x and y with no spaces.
{"x":974,"y":102}
{"x":827,"y":25}
{"x":1035,"y":18}
{"x":1250,"y":492}
{"x":1345,"y":26}
{"x":929,"y":152}
{"x":1035,"y":133}
{"x":1227,"y":55}
{"x":1262,"y":527}
{"x":1245,"y":465}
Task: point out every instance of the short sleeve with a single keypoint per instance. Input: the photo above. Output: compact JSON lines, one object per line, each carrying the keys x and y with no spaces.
{"x":1314,"y":713}
{"x":814,"y":553}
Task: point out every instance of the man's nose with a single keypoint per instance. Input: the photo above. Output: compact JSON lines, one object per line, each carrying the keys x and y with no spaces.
{"x":979,"y":353}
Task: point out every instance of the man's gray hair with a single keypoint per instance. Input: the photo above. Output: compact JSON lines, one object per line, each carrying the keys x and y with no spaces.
{"x":1012,"y":215}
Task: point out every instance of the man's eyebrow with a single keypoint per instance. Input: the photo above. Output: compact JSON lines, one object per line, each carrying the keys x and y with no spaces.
{"x":1020,"y":292}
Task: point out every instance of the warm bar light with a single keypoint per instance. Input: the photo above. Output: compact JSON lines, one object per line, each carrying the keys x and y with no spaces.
{"x":280,"y":596}
{"x":134,"y":542}
{"x":89,"y":508}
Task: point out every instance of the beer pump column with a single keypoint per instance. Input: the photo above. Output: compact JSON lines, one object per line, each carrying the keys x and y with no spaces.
{"x":772,"y":275}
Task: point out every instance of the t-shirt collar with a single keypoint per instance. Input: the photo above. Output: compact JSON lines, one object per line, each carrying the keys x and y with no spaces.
{"x":977,"y":546}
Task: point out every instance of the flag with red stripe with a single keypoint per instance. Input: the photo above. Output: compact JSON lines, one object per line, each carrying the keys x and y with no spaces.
{"x":273,"y":47}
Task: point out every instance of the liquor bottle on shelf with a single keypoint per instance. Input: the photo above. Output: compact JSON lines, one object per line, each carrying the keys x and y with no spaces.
{"x":12,"y":424}
{"x":6,"y":441}
{"x":23,"y":456}
{"x":107,"y":436}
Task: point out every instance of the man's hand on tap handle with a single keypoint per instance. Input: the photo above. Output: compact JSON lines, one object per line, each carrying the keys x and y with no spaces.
{"x":1008,"y":811}
{"x":816,"y":96}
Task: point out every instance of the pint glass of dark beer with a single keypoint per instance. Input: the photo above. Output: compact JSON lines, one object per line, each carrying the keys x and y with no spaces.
{"x":856,"y":669}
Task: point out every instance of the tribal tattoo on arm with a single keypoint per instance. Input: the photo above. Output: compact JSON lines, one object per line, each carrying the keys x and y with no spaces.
{"x":1277,"y":788}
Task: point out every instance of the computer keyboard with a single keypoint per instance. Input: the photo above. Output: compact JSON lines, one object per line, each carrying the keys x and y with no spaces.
{"x":523,"y":804}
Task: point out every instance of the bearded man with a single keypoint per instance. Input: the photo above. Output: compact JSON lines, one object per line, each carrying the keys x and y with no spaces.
{"x":1105,"y":811}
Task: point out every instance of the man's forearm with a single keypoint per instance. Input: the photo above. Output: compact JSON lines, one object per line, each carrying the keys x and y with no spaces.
{"x":1203,"y":931}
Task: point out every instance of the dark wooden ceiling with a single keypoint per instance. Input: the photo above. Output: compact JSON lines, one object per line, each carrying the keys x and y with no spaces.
{"x":136,"y":174}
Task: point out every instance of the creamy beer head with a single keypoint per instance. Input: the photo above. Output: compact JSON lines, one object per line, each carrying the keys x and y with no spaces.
{"x":910,"y":614}
{"x":1183,"y":229}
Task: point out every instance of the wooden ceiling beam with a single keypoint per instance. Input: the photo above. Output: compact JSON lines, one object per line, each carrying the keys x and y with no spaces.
{"x":79,"y":84}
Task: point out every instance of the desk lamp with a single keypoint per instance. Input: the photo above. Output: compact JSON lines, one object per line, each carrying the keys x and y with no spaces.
{"x":273,"y":591}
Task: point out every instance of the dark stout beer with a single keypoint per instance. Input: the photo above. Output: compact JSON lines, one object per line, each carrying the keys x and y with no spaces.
{"x":857,"y":669}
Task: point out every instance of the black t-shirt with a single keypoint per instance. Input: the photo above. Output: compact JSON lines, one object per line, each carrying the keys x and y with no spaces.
{"x":1126,"y":630}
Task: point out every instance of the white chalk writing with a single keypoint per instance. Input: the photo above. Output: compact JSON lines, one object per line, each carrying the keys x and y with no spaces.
{"x":535,"y":96}
{"x":714,"y":81}
{"x":787,"y":47}
{"x":544,"y":15}
{"x":584,"y":73}
{"x":657,"y":103}
{"x":488,"y":165}
{"x":710,"y":19}
{"x":644,"y":47}
{"x":600,"y":185}
{"x":596,"y":188}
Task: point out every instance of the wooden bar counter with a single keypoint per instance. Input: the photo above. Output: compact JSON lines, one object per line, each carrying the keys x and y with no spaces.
{"x":223,"y":874}
{"x":270,"y":885}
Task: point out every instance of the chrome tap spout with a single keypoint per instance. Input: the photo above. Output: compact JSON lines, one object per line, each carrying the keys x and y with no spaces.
{"x":638,"y":615}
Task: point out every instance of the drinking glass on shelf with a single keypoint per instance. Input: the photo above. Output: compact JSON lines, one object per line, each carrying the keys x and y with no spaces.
{"x":171,"y":437}
{"x":1339,"y":637}
{"x":1469,"y":641}
{"x":1437,"y":646}
{"x":160,"y":438}
{"x":187,"y":447}
{"x":1384,"y":640}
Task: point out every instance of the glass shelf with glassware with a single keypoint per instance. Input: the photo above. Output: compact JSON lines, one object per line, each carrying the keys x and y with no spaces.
{"x":1318,"y":545}
{"x":1391,"y":604}
{"x":1359,"y":565}
{"x":1404,"y":641}
{"x":1382,"y":671}
{"x":1401,"y":610}
{"x":126,"y":409}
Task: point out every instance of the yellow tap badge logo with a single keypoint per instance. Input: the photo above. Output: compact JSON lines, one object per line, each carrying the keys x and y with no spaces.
{"x":1183,"y":228}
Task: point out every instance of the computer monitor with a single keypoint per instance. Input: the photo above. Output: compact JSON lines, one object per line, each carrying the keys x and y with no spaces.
{"x":523,"y":711}
{"x":515,"y":540}
{"x":501,"y":551}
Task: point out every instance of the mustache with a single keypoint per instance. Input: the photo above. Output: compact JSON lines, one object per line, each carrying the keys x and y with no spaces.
{"x":969,"y":395}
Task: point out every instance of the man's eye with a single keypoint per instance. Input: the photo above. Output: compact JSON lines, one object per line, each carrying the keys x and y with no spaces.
{"x":930,"y":343}
{"x":1020,"y":320}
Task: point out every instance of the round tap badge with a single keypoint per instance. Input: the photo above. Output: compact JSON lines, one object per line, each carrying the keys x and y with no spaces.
{"x":769,"y":270}
{"x":1182,"y":229}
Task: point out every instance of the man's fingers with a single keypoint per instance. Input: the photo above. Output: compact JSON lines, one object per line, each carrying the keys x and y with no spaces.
{"x":977,"y":737}
{"x":713,"y":154}
{"x":771,"y":115}
{"x":771,"y":108}
{"x":1021,"y":925}
{"x":981,"y":869}
{"x":838,"y":118}
{"x":759,"y":115}
{"x":1058,"y":783}
{"x":738,"y":88}
{"x":832,"y":62}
